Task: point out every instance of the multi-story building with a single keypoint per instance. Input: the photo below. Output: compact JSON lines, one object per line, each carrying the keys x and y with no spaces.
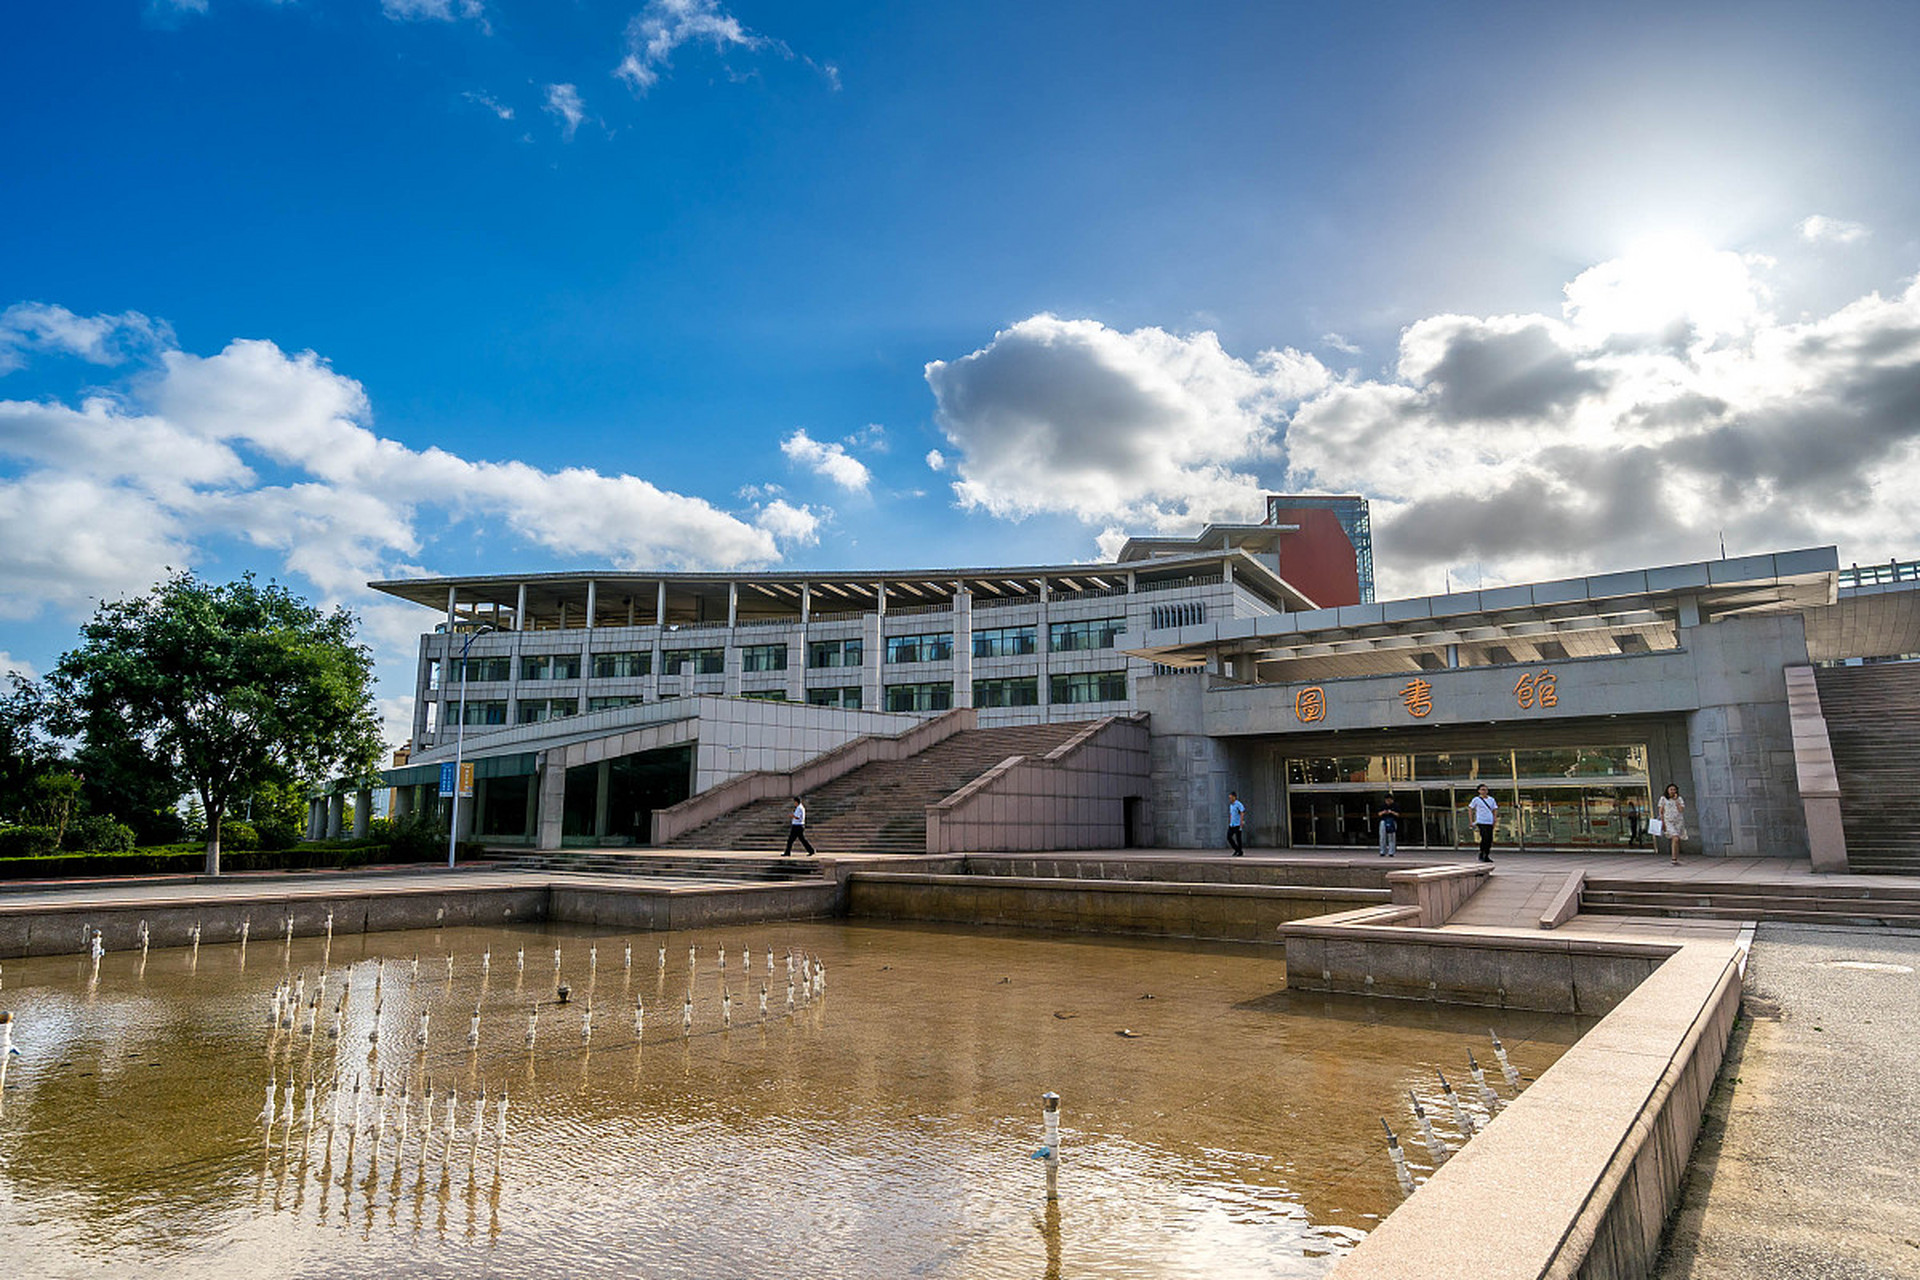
{"x":588,"y":702}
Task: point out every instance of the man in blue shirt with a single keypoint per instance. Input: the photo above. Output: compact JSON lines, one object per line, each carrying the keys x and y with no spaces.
{"x":1236,"y":819}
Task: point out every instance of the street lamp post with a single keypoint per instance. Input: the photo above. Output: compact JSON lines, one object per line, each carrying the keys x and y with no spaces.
{"x":460,"y":743}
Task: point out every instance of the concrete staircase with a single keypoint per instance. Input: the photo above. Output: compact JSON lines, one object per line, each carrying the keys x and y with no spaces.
{"x":1795,"y":903}
{"x":664,"y":866}
{"x":1873,"y":724}
{"x":880,"y":807}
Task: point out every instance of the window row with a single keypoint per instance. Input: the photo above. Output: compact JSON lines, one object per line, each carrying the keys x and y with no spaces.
{"x":992,"y":642}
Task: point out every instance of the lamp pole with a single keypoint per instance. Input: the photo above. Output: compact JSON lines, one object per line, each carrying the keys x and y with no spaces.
{"x":460,"y":743}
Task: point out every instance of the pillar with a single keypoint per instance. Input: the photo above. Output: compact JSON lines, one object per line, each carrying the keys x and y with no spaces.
{"x":520,"y":608}
{"x":660,"y":605}
{"x":552,"y":805}
{"x":806,"y":604}
{"x":453,"y":600}
{"x":962,"y":646}
{"x":316,"y":818}
{"x":336,"y":814}
{"x":362,"y":812}
{"x":733,"y":605}
{"x":593,"y":602}
{"x":872,"y":661}
{"x":601,"y":797}
{"x":399,"y":804}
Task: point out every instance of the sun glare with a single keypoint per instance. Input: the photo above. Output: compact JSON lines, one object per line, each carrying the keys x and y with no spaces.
{"x":1665,"y":279}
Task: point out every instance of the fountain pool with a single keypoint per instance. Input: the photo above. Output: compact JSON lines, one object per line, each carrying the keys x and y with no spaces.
{"x":1211,"y":1123}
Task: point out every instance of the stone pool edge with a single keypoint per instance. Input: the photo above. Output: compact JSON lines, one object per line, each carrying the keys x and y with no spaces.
{"x":1576,"y":1177}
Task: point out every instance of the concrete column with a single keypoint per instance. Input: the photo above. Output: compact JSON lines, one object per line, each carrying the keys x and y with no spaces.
{"x":1226,"y":571}
{"x":551,"y":808}
{"x":1043,"y":644}
{"x":563,"y":615}
{"x":316,"y":819}
{"x":593,"y":602}
{"x":362,"y":812}
{"x":962,"y":646}
{"x":874,"y":659}
{"x":399,"y":804}
{"x":520,"y":608}
{"x":732,"y":658}
{"x":453,"y":599}
{"x":880,"y":599}
{"x":631,"y":614}
{"x":600,"y":798}
{"x":797,"y":665}
{"x":806,"y":604}
{"x":733,"y":605}
{"x":653,"y":666}
{"x":513,"y":682}
{"x":336,"y":814}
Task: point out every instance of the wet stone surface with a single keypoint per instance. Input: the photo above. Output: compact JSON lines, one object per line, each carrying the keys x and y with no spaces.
{"x":882,"y":1128}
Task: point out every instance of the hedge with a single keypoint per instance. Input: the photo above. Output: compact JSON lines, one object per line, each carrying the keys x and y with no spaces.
{"x":191,"y":859}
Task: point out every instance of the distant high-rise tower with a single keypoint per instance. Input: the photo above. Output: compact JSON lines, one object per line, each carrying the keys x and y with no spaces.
{"x":1350,"y":509}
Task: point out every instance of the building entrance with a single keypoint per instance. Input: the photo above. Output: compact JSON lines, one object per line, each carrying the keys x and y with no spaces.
{"x":1553,"y":797}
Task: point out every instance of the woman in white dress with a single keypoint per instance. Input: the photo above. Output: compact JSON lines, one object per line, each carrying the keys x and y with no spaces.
{"x":1672,"y":812}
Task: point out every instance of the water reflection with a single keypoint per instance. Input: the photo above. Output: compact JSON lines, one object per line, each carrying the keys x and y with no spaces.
{"x":875,"y":1131}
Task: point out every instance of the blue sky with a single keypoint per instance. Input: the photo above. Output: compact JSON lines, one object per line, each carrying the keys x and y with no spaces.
{"x":340,"y":289}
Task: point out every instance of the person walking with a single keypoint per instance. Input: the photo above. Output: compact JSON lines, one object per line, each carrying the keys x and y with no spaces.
{"x":1388,"y":816}
{"x":1671,"y":812}
{"x":1236,"y":820}
{"x":798,"y":829}
{"x":1485,"y":811}
{"x":1633,"y":824}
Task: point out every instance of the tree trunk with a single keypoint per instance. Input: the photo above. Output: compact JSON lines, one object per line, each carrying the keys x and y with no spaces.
{"x":213,"y":838}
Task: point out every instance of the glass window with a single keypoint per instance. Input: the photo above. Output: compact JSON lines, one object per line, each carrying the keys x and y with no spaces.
{"x":1006,"y":642}
{"x":934,"y":646}
{"x":699,"y":662}
{"x":1093,"y":633}
{"x":487,"y":712}
{"x":550,"y":666}
{"x":765,"y":695}
{"x":613,"y":704}
{"x":477,"y":670}
{"x":834,"y":653}
{"x":1088,"y":686}
{"x":1021,"y":691}
{"x":932,"y":696}
{"x":847,"y":697}
{"x":622,"y":666}
{"x":763,"y":657}
{"x":433,"y":673}
{"x":534,"y":710}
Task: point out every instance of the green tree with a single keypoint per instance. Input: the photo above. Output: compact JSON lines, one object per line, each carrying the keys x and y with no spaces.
{"x":26,"y":748}
{"x":228,"y":687}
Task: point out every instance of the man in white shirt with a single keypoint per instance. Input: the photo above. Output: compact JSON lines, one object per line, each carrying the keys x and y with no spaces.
{"x":798,"y":831}
{"x":1485,"y":811}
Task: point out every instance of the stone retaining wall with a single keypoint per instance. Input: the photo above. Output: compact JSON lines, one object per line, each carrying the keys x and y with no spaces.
{"x":1241,"y":913}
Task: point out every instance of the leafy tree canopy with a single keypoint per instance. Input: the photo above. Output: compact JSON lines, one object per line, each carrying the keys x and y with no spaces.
{"x":26,"y":749}
{"x":228,"y":688}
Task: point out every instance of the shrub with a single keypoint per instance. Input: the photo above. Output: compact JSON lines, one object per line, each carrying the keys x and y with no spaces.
{"x":414,"y":838}
{"x":238,"y":834}
{"x":98,"y":833}
{"x":28,"y":842}
{"x":278,"y":833}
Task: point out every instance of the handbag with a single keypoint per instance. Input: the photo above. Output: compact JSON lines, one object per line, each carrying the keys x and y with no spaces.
{"x":1655,"y":827}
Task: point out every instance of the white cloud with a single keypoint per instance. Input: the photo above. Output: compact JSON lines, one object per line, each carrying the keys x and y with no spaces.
{"x":1149,"y":428}
{"x":1339,"y":344}
{"x":791,"y":524}
{"x":829,"y":460}
{"x":434,"y":10}
{"x":10,"y":665}
{"x":1821,"y":229}
{"x":479,"y":99}
{"x":29,"y":327}
{"x":664,"y":25}
{"x":563,"y":100}
{"x":1633,"y":429}
{"x":936,"y":460}
{"x":274,"y":449}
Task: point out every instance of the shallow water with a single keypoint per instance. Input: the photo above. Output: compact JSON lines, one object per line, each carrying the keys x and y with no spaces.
{"x":881,"y":1129}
